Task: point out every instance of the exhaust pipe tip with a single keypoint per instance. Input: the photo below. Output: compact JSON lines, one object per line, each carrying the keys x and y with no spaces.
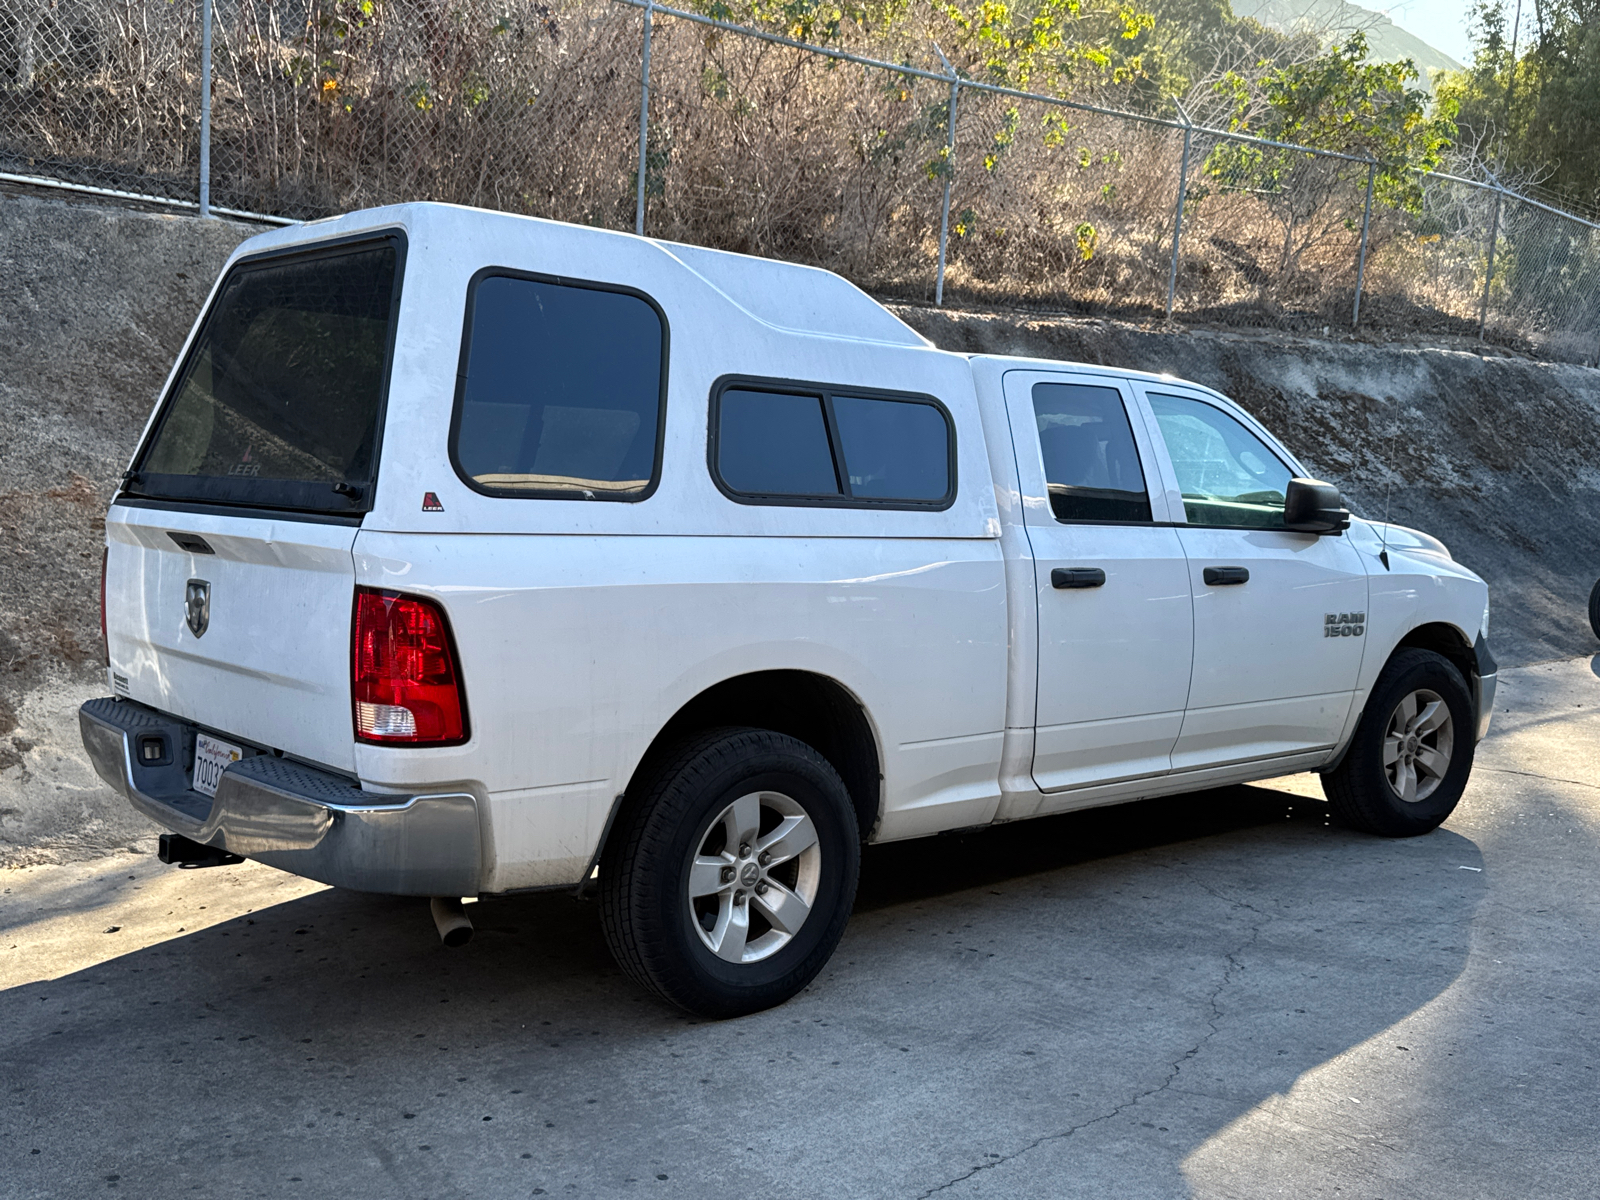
{"x":450,"y":916}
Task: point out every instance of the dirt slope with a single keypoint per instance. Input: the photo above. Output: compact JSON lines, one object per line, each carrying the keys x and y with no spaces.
{"x":94,"y":304}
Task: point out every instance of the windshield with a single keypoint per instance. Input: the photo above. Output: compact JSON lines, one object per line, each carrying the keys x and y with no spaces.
{"x":277,"y":404}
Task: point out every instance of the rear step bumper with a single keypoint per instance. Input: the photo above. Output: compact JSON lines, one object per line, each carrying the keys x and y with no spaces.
{"x":288,"y":815}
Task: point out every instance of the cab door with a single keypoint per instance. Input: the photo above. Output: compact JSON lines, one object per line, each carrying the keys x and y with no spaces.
{"x":1268,"y":680}
{"x":1112,"y":583}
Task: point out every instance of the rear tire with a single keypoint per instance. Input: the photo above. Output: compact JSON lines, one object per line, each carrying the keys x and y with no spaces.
{"x":1594,"y":609}
{"x":735,"y":872}
{"x":1412,"y":752}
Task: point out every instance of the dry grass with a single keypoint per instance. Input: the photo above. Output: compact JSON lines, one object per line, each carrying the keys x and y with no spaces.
{"x":533,"y":108}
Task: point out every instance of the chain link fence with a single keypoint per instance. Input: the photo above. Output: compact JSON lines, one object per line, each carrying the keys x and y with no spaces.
{"x":101,"y":94}
{"x":898,"y":171}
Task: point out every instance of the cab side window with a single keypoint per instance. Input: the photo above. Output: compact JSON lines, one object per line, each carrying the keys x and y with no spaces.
{"x":1090,"y":462}
{"x":1227,"y":474}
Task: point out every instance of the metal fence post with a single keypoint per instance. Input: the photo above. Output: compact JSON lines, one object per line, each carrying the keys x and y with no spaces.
{"x":1361,"y":261}
{"x":1183,"y":195}
{"x":949,"y":171}
{"x":205,"y":108}
{"x":644,"y":118}
{"x":1488,"y":275}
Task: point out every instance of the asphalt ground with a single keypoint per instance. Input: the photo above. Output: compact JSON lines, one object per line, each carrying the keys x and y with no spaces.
{"x":1219,"y":995}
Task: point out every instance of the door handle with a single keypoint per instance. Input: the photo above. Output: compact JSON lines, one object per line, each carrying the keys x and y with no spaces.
{"x":1223,"y":576}
{"x":1077,"y":577}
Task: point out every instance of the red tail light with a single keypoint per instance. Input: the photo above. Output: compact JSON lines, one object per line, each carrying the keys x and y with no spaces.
{"x":403,"y":674}
{"x":105,"y":642}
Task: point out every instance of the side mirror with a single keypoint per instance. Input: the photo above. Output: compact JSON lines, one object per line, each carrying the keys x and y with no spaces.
{"x":1311,"y":506}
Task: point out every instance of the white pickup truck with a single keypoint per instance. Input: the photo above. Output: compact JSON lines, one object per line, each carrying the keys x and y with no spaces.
{"x":467,"y":553}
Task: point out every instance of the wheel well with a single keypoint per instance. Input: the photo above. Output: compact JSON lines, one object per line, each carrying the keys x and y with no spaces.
{"x":816,"y":710}
{"x":1448,"y":641}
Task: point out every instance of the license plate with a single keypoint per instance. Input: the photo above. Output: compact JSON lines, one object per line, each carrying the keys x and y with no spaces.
{"x":211,"y":759}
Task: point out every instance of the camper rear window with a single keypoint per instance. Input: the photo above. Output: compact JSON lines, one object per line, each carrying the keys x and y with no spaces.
{"x":277,"y":404}
{"x":561,"y":390}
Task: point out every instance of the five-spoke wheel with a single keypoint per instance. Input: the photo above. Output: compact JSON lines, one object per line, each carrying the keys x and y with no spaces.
{"x":754,"y":877}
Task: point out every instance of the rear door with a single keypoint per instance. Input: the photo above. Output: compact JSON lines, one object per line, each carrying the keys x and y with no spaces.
{"x":1115,"y":627}
{"x":230,"y":577}
{"x":1267,"y":680}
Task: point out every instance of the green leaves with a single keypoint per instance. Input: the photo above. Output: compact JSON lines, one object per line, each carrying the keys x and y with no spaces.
{"x":1336,"y":101}
{"x":1535,"y":115}
{"x":1047,"y":45}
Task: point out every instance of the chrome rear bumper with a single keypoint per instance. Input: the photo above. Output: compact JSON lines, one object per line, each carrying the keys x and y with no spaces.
{"x":288,"y":815}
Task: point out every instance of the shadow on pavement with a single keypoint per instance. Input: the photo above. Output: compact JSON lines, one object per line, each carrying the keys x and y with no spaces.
{"x":1112,"y":986}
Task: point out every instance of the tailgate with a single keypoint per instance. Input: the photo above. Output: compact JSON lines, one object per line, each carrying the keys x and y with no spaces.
{"x":271,"y":663}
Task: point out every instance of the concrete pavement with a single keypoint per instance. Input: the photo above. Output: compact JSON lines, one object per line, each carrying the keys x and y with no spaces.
{"x":1212,"y":996}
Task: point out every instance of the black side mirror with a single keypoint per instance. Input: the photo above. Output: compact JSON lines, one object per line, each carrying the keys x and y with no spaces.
{"x":1311,"y":506}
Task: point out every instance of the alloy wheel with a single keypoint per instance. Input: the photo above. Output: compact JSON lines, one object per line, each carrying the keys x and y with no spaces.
{"x":1417,"y":745}
{"x":754,"y":878}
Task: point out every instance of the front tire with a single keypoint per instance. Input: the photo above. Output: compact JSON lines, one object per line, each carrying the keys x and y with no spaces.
{"x":735,"y":874}
{"x":1411,"y":755}
{"x":1594,"y":608}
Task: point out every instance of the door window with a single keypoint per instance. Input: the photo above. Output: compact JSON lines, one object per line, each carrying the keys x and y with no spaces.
{"x":1227,"y":474}
{"x":1090,"y":463}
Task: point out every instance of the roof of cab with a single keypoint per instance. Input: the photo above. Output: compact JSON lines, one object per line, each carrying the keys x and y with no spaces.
{"x":1016,"y":362}
{"x":786,"y":296}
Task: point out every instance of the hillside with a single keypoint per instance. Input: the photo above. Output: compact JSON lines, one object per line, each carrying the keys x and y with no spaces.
{"x":1386,"y":41}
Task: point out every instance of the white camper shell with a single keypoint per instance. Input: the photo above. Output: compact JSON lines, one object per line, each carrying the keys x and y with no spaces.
{"x":468,"y":553}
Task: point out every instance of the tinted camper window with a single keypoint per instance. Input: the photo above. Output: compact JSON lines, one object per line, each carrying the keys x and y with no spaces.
{"x":780,"y":442}
{"x":560,"y":393}
{"x":893,"y":449}
{"x":277,"y":403}
{"x":775,"y":444}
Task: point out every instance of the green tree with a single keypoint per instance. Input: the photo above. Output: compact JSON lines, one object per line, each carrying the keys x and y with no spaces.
{"x":1335,"y":101}
{"x":1192,"y":43}
{"x":1338,"y":101}
{"x":1534,"y":115}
